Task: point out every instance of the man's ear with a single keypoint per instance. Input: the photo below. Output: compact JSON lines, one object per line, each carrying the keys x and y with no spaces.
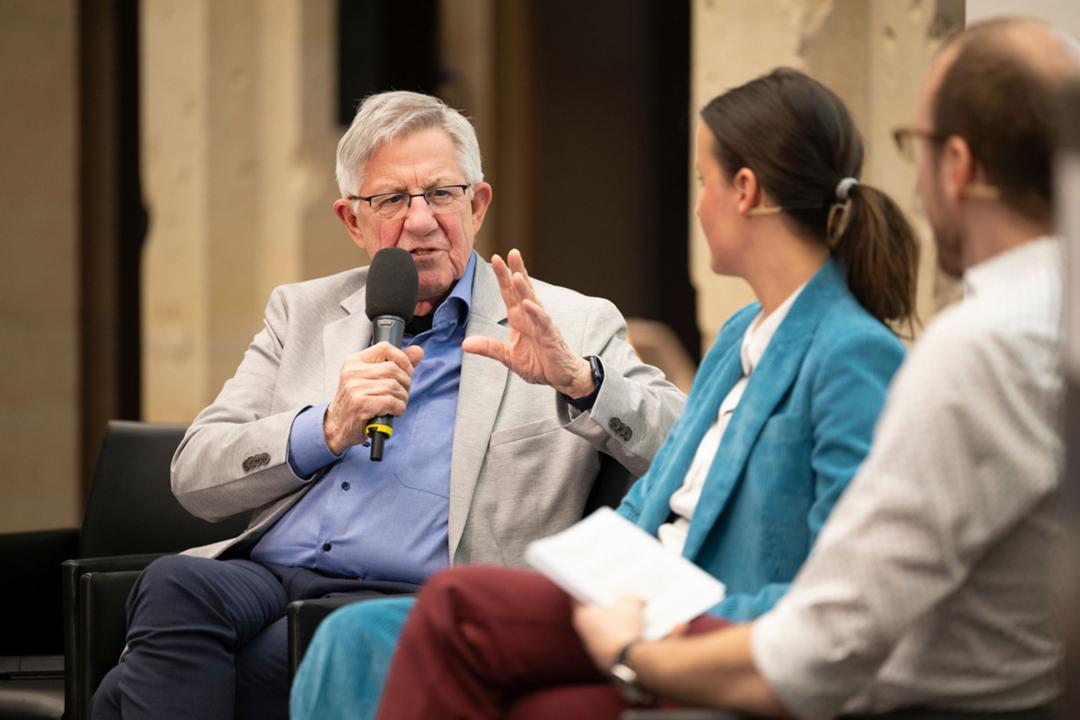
{"x":747,"y":190}
{"x":343,"y":208}
{"x":481,"y":201}
{"x":957,"y":168}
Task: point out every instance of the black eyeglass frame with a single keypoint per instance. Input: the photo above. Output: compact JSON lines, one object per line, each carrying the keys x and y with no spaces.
{"x":901,"y":135}
{"x":369,"y":199}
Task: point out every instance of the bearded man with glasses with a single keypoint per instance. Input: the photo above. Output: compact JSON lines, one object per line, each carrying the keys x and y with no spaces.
{"x":505,"y":395}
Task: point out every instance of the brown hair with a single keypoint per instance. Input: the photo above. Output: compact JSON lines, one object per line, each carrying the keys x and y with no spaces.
{"x":798,"y":139}
{"x":1005,"y":111}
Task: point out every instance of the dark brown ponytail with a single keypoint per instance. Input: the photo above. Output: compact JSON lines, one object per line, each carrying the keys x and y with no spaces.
{"x":880,"y":254}
{"x":798,"y":139}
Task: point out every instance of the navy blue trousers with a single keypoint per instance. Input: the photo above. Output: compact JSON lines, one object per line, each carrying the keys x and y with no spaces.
{"x":207,"y":639}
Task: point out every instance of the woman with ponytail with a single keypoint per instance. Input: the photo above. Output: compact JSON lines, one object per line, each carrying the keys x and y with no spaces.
{"x":778,"y":420}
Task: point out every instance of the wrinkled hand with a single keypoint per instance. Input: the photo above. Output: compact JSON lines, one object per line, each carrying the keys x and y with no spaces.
{"x":373,"y":382}
{"x":606,"y":629}
{"x":536,"y":351}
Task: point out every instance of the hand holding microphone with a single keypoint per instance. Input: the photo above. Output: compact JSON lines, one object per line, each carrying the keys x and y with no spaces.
{"x":374,"y":384}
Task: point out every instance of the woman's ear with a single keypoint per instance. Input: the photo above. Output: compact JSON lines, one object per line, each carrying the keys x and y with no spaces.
{"x":747,"y":190}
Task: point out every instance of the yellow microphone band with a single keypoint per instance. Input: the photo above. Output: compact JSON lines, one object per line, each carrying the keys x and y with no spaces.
{"x":379,"y":427}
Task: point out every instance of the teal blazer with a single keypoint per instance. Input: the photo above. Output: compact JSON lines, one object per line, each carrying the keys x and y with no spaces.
{"x":799,"y":433}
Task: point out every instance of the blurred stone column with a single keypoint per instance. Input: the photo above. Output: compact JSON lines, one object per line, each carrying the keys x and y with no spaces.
{"x":873,"y":55}
{"x":239,"y":137}
{"x":39,"y":265}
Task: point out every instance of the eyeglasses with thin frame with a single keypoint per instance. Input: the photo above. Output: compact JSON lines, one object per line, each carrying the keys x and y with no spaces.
{"x":905,"y":138}
{"x":905,"y":143}
{"x":441,"y":199}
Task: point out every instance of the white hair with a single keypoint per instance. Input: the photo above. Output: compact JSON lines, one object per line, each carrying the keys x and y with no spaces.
{"x":387,"y":116}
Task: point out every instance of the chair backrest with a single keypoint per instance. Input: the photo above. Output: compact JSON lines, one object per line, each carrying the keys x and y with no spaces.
{"x":130,"y":508}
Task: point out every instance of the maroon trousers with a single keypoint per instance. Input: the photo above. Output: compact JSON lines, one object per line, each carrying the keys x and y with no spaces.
{"x":485,"y":642}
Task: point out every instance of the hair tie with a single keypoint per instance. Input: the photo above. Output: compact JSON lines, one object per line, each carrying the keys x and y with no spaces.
{"x":844,"y":187}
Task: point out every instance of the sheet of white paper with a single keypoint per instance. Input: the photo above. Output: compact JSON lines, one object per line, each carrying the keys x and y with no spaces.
{"x":605,"y":556}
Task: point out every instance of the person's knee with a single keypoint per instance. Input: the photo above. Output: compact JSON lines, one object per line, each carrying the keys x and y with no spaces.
{"x":169,"y":579}
{"x":366,"y":623}
{"x":457,"y":589}
{"x":452,"y":581}
{"x":173,"y":570}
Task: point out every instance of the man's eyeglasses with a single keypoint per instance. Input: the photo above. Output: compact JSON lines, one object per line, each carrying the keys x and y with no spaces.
{"x":905,"y":138}
{"x":393,"y":204}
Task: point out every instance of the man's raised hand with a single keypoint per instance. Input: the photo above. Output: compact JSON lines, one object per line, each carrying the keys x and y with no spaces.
{"x":536,"y":350}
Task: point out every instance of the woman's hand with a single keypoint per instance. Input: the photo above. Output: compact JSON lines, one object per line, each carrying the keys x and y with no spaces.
{"x":605,"y":630}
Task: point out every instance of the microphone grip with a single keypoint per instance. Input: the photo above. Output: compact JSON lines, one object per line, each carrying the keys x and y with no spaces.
{"x":388,"y":328}
{"x":391,"y":329}
{"x":377,"y":440}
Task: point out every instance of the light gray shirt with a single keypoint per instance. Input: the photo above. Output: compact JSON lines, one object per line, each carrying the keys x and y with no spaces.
{"x":931,"y":583}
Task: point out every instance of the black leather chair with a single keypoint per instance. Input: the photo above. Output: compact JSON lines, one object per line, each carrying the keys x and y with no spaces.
{"x":32,"y":642}
{"x":132,"y":518}
{"x":611,"y":484}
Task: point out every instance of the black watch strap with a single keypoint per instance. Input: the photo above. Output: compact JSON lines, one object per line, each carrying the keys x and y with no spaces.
{"x":586,"y":402}
{"x":625,"y":678}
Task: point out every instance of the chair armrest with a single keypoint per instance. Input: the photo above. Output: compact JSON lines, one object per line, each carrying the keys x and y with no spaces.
{"x":95,"y":633}
{"x":95,"y":623}
{"x":111,"y":563}
{"x":34,"y":613}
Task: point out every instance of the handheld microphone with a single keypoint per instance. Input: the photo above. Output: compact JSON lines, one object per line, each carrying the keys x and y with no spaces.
{"x":392,"y":291}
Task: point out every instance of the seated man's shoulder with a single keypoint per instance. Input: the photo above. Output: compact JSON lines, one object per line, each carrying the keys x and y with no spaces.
{"x":334,"y":287}
{"x":319,"y":298}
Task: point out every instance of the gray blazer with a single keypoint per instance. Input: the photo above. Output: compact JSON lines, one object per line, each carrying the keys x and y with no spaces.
{"x":522,"y":467}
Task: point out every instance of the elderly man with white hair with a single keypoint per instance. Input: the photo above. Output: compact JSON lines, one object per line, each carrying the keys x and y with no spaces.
{"x":505,"y":393}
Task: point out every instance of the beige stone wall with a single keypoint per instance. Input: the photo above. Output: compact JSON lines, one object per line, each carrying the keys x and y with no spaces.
{"x":873,"y":54}
{"x":39,"y":275}
{"x":1064,"y":14}
{"x":239,"y":137}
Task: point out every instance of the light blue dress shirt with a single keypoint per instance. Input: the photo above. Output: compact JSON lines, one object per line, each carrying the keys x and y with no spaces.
{"x":384,"y":520}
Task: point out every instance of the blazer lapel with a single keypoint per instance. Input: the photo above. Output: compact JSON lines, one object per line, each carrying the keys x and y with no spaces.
{"x":480,"y":393}
{"x":715,"y":381}
{"x":343,"y":337}
{"x":768,"y":384}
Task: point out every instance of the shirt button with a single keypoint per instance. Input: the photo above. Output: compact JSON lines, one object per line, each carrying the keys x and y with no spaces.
{"x":345,"y":485}
{"x":326,"y":547}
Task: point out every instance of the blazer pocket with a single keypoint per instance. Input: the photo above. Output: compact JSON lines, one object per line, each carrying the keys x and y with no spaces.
{"x":533,"y":429}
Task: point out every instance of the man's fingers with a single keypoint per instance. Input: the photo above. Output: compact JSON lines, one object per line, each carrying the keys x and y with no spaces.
{"x":385,"y":352}
{"x":488,"y":348}
{"x":517,"y":262}
{"x":506,"y":285}
{"x":415,"y":353}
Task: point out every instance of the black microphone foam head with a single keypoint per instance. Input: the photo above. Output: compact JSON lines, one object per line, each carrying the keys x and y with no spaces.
{"x":392,"y":284}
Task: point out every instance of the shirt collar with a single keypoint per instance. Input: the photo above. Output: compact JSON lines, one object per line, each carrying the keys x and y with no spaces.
{"x":1007,"y":268}
{"x":761,"y":331}
{"x":457,"y":305}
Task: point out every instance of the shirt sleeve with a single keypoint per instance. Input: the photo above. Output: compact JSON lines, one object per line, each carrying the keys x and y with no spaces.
{"x":962,"y":453}
{"x":308,"y":451}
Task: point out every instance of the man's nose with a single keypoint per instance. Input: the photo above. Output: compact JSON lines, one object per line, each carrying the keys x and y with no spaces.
{"x":418,"y":216}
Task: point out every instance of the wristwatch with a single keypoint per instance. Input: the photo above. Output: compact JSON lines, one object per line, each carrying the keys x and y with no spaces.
{"x":625,"y":678}
{"x":586,"y":402}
